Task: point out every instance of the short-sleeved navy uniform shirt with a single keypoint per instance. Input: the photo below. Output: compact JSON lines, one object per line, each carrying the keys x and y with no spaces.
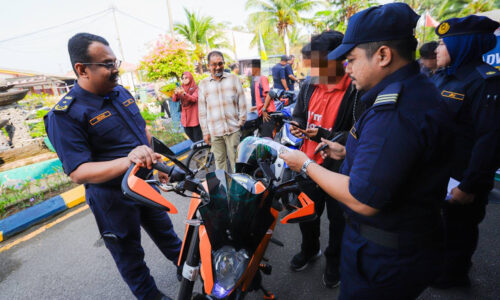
{"x":278,"y":72}
{"x":84,"y":127}
{"x":472,"y":98}
{"x":394,"y":154}
{"x":289,"y":81}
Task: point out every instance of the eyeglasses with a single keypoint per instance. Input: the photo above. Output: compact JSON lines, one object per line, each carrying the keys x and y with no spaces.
{"x":109,"y":65}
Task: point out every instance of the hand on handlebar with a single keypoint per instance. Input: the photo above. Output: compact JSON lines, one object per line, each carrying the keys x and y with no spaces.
{"x":143,"y":156}
{"x":334,"y":150}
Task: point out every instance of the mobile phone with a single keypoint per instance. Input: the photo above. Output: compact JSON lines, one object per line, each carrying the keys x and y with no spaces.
{"x":296,"y":124}
{"x":177,"y":84}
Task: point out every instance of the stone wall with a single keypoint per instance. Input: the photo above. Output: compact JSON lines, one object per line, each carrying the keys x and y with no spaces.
{"x":17,"y":116}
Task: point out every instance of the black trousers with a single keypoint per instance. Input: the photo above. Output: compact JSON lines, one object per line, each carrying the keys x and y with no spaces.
{"x":194,"y":133}
{"x":311,"y":230}
{"x":462,"y":234}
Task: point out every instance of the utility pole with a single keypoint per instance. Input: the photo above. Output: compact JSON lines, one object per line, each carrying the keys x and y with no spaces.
{"x":170,"y":22}
{"x":113,"y":8}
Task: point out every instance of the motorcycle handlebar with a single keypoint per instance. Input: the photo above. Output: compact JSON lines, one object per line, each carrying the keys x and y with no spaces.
{"x":174,"y":173}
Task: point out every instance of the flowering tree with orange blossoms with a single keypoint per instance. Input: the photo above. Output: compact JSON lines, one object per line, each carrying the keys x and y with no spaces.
{"x":168,"y":59}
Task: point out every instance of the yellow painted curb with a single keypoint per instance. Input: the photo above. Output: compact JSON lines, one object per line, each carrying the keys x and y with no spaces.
{"x":74,"y":196}
{"x":1,"y":236}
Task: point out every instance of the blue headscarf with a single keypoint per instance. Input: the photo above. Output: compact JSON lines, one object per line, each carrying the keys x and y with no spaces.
{"x":467,"y":48}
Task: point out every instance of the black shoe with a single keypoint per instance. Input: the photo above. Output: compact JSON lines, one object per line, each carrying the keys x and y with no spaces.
{"x":331,"y":276}
{"x":446,"y":282}
{"x":300,"y":260}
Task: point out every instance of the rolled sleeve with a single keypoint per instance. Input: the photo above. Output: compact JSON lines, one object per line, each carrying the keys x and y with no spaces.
{"x":384,"y":157}
{"x":69,"y":140}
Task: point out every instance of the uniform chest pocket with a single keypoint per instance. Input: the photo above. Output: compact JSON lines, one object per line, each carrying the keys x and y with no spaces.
{"x":131,"y":106}
{"x":103,"y":122}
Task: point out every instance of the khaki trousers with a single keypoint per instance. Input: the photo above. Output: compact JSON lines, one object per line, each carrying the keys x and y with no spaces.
{"x":224,"y":148}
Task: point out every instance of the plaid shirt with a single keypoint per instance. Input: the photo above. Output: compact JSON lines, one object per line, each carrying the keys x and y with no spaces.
{"x":222,"y":105}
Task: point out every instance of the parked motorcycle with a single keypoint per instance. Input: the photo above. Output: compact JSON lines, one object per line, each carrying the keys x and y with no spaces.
{"x":231,"y":217}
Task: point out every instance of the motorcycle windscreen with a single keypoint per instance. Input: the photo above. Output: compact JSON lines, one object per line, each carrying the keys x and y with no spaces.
{"x":235,"y":215}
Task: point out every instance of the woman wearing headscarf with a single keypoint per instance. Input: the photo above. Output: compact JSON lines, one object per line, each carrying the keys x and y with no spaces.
{"x":187,"y":94}
{"x":470,"y":94}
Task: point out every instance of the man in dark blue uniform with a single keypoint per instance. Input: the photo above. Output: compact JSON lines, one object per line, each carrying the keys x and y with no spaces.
{"x":393,"y":177}
{"x":470,"y":94}
{"x":278,"y":72}
{"x":98,"y":133}
{"x":290,"y":77}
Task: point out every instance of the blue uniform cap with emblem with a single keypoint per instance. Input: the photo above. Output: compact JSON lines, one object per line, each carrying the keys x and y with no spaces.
{"x":468,"y":25}
{"x":393,"y":21}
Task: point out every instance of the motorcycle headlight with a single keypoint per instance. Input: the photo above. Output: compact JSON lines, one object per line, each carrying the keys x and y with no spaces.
{"x":229,"y":265}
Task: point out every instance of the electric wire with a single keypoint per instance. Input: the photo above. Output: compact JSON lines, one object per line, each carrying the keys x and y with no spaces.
{"x":52,"y":27}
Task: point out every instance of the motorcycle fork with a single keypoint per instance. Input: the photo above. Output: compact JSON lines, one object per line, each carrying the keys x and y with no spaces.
{"x":191,"y":266}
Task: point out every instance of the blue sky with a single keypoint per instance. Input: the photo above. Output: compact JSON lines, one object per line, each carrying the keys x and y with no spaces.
{"x":47,"y":52}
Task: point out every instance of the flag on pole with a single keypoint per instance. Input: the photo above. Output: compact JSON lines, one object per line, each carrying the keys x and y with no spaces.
{"x":263,"y":54}
{"x":287,"y":43}
{"x":429,"y":21}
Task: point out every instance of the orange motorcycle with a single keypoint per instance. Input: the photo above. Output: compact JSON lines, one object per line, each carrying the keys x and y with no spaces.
{"x":231,"y":217}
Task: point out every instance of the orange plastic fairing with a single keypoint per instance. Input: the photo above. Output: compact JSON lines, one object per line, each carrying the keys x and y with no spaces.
{"x":193,"y":206}
{"x":206,"y":260}
{"x":253,"y":265}
{"x":142,"y":188}
{"x":306,"y":210}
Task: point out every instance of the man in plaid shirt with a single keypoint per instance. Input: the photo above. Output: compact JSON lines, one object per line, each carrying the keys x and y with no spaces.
{"x":222,"y":110}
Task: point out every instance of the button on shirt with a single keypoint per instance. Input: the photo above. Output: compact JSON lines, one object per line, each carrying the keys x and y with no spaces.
{"x":222,"y":105}
{"x":95,"y":128}
{"x":395,"y":158}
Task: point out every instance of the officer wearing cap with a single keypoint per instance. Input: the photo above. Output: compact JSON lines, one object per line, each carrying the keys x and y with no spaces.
{"x":470,"y":93}
{"x":393,"y":177}
{"x":98,"y":133}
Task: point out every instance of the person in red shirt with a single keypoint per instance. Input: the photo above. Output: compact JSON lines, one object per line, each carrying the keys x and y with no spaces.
{"x":187,"y":94}
{"x":327,"y":105}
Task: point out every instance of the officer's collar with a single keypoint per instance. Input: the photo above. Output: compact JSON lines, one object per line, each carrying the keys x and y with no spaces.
{"x":410,"y":69}
{"x":466,"y":69}
{"x":93,"y":99}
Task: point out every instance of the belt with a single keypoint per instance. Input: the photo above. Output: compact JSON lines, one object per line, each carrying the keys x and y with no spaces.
{"x":394,"y":240}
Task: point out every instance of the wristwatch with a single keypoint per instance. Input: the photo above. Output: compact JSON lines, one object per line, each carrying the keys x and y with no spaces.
{"x":264,"y":110}
{"x":306,"y":164}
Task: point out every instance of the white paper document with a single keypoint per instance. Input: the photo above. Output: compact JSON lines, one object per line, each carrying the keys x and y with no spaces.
{"x":451,"y":184}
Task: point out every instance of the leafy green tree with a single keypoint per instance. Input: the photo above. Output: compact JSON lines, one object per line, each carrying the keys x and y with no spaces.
{"x":336,"y":13}
{"x":202,"y":32}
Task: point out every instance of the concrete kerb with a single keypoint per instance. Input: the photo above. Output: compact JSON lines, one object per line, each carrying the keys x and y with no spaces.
{"x":48,"y":208}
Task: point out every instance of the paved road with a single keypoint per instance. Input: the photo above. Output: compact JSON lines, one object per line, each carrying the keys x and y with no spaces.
{"x":67,"y":261}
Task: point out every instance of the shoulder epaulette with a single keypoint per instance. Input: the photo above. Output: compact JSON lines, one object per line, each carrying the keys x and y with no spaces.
{"x":64,"y":104}
{"x":389,"y":96}
{"x":487,"y":71}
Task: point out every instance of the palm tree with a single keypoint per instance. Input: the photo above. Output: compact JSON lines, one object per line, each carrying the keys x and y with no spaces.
{"x":277,"y":15}
{"x":337,"y":13}
{"x":203,"y":33}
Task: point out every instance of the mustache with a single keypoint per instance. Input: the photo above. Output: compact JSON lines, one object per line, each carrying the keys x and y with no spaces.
{"x":352,"y":77}
{"x":113,"y":77}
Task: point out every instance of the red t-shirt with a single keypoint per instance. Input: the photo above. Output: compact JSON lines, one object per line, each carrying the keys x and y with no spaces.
{"x":322,"y":112}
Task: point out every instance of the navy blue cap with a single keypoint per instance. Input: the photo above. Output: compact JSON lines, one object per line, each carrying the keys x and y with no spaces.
{"x":467,"y":25}
{"x":393,"y":21}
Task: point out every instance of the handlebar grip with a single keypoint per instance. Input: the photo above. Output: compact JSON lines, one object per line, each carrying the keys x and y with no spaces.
{"x":174,"y":173}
